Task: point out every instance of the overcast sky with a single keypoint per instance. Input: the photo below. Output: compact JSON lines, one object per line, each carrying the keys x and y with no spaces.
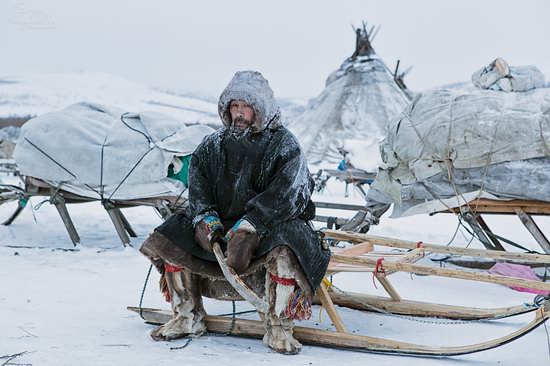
{"x":198,"y":45}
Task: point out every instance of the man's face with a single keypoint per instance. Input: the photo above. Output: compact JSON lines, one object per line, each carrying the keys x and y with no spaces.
{"x":242,"y":114}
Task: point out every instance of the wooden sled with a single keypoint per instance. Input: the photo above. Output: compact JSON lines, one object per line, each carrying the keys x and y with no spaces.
{"x":343,"y":340}
{"x":361,"y":257}
{"x":60,"y":198}
{"x":355,"y":256}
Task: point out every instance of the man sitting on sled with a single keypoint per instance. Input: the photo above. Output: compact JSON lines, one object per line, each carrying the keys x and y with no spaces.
{"x":249,"y":189}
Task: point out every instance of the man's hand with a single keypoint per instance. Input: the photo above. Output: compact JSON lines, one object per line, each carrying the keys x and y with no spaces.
{"x":205,"y":231}
{"x":242,"y":240}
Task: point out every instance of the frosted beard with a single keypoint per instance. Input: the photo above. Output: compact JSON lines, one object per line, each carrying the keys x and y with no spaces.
{"x":240,"y":133}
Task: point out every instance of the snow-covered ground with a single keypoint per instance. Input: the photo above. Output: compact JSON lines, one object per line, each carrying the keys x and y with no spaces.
{"x":37,"y":94}
{"x":69,"y":307}
{"x":32,"y":95}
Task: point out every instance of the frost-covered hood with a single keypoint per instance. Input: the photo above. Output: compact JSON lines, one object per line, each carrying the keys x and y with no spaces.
{"x":253,"y":88}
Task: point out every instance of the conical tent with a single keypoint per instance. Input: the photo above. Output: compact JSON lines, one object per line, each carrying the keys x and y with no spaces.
{"x":358,"y":101}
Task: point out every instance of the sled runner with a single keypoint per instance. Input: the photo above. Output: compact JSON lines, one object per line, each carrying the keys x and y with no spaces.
{"x":338,"y":339}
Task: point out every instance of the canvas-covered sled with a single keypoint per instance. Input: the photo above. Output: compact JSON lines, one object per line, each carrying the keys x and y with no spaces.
{"x":90,"y":152}
{"x":470,"y":151}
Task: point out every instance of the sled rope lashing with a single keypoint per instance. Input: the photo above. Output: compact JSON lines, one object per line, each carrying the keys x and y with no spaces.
{"x":379,"y":271}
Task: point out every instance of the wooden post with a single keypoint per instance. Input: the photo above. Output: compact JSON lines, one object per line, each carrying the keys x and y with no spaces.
{"x":59,"y":203}
{"x":328,"y":305}
{"x":530,"y":224}
{"x":388,"y":287}
{"x":496,"y":243}
{"x":125,"y":222}
{"x":117,"y":222}
{"x":480,"y":233}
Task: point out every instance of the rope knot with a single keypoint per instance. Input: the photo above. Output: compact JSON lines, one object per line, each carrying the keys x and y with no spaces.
{"x":420,"y":245}
{"x":379,"y":269}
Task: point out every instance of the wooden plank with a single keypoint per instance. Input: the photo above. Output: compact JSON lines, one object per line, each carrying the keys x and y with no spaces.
{"x":339,"y":206}
{"x":506,"y":206}
{"x":356,"y":249}
{"x":59,"y":204}
{"x":342,"y":268}
{"x":496,"y":243}
{"x":338,"y":220}
{"x":405,"y":244}
{"x":530,"y":224}
{"x":444,"y":272}
{"x":328,"y":305}
{"x":119,"y":226}
{"x":388,"y":287}
{"x":412,"y":256}
{"x":478,"y":230}
{"x":360,"y":301}
{"x":409,"y":257}
{"x":125,"y":223}
{"x":509,"y":203}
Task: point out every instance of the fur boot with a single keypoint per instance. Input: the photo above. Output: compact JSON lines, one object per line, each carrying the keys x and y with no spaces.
{"x":278,"y":326}
{"x":186,"y":300}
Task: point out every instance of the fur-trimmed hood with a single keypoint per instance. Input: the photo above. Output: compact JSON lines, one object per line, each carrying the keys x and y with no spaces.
{"x":253,"y":88}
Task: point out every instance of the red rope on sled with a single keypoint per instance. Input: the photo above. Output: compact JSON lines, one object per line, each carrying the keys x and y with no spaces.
{"x":379,"y":269}
{"x":421,"y":245}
